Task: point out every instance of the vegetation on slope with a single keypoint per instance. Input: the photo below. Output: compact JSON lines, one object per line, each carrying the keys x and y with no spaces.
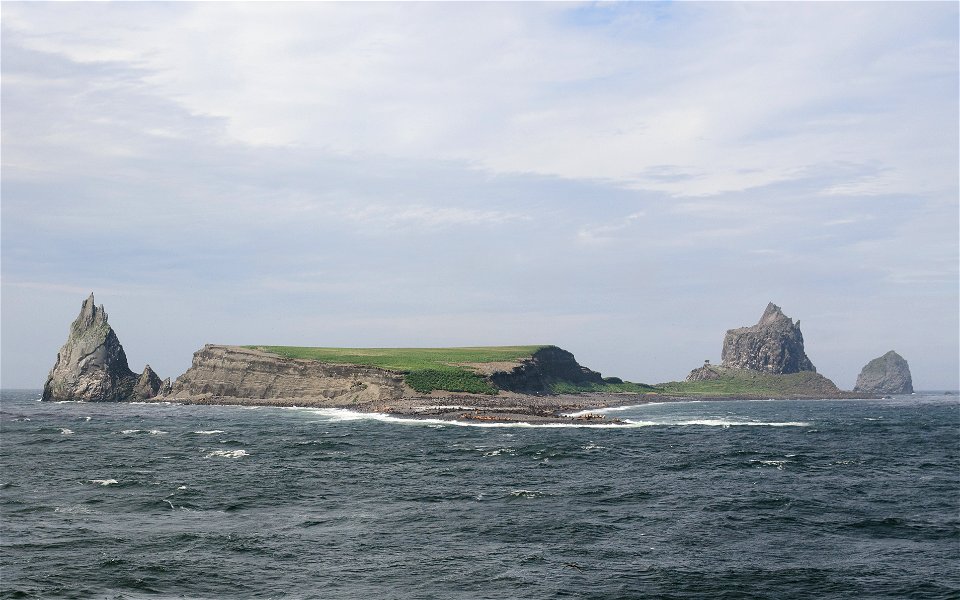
{"x":425,"y":369}
{"x":608,"y":387}
{"x":747,"y":384}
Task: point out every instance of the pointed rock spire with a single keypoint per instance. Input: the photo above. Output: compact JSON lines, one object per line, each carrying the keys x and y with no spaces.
{"x":91,"y":365}
{"x":147,"y":386}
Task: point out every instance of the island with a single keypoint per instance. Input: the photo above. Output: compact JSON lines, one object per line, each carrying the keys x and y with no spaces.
{"x":532,"y":383}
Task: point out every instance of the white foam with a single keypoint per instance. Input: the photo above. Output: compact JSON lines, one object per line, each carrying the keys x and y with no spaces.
{"x":526,"y":494}
{"x":157,"y":432}
{"x":500,"y":451}
{"x":104,"y":481}
{"x":65,"y":431}
{"x":208,"y":432}
{"x":130,"y":431}
{"x":228,"y":453}
{"x":779,"y":464}
{"x":729,"y":423}
{"x":75,"y":509}
{"x":182,"y":487}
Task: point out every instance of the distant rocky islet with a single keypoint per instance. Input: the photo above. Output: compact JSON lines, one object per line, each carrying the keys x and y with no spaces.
{"x":887,"y":374}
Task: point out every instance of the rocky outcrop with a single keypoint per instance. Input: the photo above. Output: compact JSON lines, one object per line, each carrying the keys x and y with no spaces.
{"x":147,"y":386}
{"x":774,"y":345}
{"x":704,"y":373}
{"x":548,"y":365}
{"x":887,"y":374}
{"x":91,"y":366}
{"x":225,"y":372}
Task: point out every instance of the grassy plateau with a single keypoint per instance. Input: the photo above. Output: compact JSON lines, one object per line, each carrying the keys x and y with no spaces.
{"x":425,"y":369}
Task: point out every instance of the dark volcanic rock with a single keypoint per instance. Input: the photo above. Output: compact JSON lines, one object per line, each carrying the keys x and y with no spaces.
{"x":147,"y":386}
{"x":91,"y":366}
{"x":774,"y":345}
{"x":888,"y":374}
{"x":547,"y":365}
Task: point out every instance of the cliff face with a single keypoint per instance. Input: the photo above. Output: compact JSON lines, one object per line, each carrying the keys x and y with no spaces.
{"x":774,"y":345}
{"x":234,"y":372}
{"x":91,"y":366}
{"x":549,"y":364}
{"x":887,"y":374}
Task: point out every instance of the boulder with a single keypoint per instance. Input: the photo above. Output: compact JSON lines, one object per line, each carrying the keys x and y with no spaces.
{"x":91,"y":366}
{"x":774,"y":345}
{"x":887,"y":374}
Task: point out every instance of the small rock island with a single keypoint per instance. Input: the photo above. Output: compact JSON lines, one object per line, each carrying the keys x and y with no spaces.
{"x":763,"y":360}
{"x":92,"y":366}
{"x":887,"y":374}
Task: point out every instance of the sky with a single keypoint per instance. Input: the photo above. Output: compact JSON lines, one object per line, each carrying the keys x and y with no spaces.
{"x":625,"y":180}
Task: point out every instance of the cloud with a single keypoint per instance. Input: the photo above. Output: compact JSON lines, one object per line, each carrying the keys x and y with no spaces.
{"x":740,"y":96}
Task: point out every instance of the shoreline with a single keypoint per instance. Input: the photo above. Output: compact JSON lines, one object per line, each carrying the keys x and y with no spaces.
{"x":515,"y":408}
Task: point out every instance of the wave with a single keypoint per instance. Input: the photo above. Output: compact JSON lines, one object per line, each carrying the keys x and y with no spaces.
{"x":343,"y":414}
{"x":104,"y":481}
{"x":228,"y":453}
{"x":208,"y":432}
{"x":65,"y":431}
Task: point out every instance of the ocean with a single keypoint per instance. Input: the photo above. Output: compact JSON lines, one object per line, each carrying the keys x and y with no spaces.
{"x":774,"y":499}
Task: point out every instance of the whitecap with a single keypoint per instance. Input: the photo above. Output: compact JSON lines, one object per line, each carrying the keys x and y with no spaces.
{"x":208,"y":432}
{"x":75,"y":509}
{"x":779,"y":464}
{"x":65,"y":431}
{"x":343,"y":414}
{"x":130,"y":431}
{"x":228,"y":453}
{"x":526,"y":494}
{"x":157,"y":432}
{"x":182,"y":487}
{"x":729,"y":423}
{"x":104,"y":481}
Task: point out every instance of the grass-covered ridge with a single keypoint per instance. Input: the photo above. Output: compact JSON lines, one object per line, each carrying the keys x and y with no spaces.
{"x":745,"y":383}
{"x":425,"y":369}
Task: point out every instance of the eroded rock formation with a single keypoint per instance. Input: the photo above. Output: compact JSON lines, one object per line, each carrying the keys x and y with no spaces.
{"x":887,"y":374}
{"x":547,"y":365}
{"x":147,"y":386}
{"x":91,"y":366}
{"x":774,"y":345}
{"x":225,"y":372}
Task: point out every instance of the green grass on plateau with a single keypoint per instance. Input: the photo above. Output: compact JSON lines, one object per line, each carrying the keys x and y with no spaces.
{"x":425,"y":369}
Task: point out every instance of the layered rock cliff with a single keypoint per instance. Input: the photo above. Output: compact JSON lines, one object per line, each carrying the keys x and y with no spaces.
{"x":226,"y":372}
{"x":774,"y":345}
{"x":92,"y":366}
{"x":887,"y":374}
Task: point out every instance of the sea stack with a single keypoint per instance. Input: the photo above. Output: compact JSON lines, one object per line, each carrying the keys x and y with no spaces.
{"x":774,"y":345}
{"x":92,"y":367}
{"x":887,"y":374}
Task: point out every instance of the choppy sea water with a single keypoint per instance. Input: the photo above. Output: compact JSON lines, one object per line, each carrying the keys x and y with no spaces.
{"x":777,"y":499}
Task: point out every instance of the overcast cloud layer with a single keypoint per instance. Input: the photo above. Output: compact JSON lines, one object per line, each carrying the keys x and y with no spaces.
{"x":627,"y":181}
